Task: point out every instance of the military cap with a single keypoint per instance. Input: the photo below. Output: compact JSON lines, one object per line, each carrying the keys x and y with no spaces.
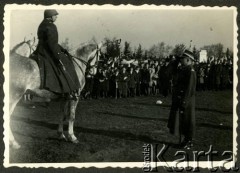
{"x":188,"y":54}
{"x":50,"y":12}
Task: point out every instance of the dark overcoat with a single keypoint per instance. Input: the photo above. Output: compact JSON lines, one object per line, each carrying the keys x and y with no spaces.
{"x":182,"y":114}
{"x":48,"y":53}
{"x":225,"y":75}
{"x":132,"y":80}
{"x":123,"y":82}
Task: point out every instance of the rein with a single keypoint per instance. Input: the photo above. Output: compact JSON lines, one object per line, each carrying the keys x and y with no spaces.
{"x":20,"y":44}
{"x":30,"y":47}
{"x":87,"y":63}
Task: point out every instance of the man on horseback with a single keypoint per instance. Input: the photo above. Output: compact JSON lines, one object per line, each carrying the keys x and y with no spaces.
{"x":55,"y":63}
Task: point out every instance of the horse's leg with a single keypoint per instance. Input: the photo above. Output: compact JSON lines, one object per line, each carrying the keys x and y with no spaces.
{"x":72,"y":107}
{"x":15,"y":96}
{"x":64,"y":111}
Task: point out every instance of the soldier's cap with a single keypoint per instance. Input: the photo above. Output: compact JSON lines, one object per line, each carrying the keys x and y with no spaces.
{"x":50,"y":12}
{"x":188,"y":54}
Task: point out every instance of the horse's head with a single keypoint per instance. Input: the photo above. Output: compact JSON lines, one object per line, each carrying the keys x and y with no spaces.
{"x":94,"y":57}
{"x":89,"y":55}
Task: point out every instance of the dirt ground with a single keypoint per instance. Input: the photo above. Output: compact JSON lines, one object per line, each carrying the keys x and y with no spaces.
{"x":112,"y":130}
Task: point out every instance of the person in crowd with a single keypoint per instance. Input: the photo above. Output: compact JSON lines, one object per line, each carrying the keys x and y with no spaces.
{"x":152,"y":82}
{"x":164,"y":78}
{"x":132,"y":82}
{"x":224,"y":75}
{"x":201,"y":78}
{"x":230,"y":69}
{"x":155,"y":81}
{"x":182,"y":114}
{"x":212,"y":75}
{"x":208,"y":77}
{"x":112,"y":82}
{"x":138,"y":81}
{"x":117,"y":93}
{"x":100,"y":83}
{"x":105,"y":88}
{"x":142,"y":89}
{"x":218,"y":72}
{"x":123,"y":83}
{"x":157,"y":70}
{"x":146,"y":79}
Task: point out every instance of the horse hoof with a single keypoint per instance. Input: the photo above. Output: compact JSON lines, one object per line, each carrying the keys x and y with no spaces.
{"x":62,"y":137}
{"x":75,"y":141}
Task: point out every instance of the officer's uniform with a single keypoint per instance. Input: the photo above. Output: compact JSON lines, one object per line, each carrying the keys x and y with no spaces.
{"x":49,"y":56}
{"x":183,"y":101}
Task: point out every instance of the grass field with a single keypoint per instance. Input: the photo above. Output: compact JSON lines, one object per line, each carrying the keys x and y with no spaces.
{"x":112,"y":130}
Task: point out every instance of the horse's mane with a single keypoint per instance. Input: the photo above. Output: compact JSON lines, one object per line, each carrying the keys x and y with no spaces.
{"x":85,"y":49}
{"x":14,"y":49}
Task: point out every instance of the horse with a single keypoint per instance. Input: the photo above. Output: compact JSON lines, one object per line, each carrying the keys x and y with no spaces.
{"x":25,"y":75}
{"x":26,"y":47}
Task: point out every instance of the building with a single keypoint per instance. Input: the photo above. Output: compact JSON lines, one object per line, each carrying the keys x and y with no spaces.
{"x":203,"y":56}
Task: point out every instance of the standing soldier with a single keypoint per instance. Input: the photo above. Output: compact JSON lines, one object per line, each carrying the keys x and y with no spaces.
{"x":56,"y":67}
{"x":183,"y":100}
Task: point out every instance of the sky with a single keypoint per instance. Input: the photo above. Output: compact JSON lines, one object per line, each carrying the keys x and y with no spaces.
{"x":137,"y":26}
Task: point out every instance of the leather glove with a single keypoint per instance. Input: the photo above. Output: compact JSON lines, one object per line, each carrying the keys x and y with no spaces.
{"x":65,"y":51}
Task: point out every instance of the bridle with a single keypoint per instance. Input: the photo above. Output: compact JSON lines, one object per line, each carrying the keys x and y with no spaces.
{"x":88,"y":63}
{"x":31,"y":47}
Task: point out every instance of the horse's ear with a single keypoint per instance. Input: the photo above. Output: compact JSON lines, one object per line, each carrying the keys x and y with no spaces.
{"x":100,"y":45}
{"x":34,"y":39}
{"x":24,"y":39}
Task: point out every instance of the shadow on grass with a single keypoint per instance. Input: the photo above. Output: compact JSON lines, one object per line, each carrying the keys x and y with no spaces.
{"x":197,"y":108}
{"x":132,"y":116}
{"x":109,"y":133}
{"x":219,"y":127}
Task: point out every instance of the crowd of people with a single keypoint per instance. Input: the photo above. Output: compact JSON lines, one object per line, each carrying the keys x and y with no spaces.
{"x":151,"y":77}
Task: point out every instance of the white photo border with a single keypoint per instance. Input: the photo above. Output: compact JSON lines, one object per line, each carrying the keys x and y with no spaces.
{"x":6,"y":49}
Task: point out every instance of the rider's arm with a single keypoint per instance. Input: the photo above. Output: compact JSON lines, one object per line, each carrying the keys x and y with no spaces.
{"x":52,"y":41}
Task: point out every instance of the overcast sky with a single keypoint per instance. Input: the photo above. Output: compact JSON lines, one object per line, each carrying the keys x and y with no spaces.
{"x":146,"y":27}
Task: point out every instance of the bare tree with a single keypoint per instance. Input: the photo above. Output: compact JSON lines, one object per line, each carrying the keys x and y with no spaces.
{"x":214,"y":50}
{"x":178,"y":49}
{"x":139,"y":52}
{"x":127,"y":50}
{"x":66,"y":45}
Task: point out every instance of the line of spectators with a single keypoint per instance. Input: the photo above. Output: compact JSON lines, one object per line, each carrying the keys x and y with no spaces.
{"x":152,"y":77}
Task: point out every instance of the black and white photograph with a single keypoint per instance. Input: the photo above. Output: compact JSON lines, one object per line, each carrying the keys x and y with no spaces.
{"x":119,"y":85}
